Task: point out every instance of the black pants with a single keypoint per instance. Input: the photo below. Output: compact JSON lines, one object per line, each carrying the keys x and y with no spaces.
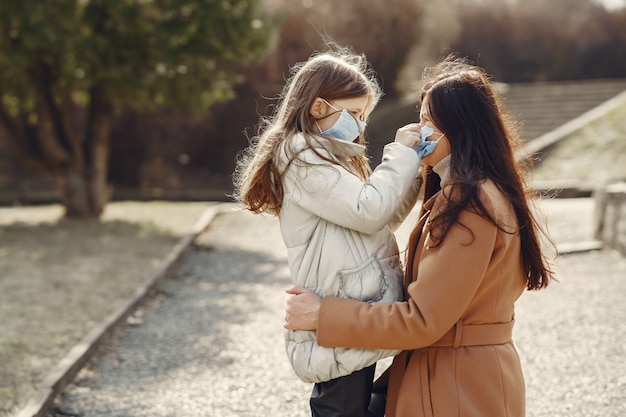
{"x":377,"y":403}
{"x":348,"y":396}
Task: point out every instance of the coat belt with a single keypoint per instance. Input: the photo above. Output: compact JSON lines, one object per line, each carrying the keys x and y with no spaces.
{"x":476,"y":335}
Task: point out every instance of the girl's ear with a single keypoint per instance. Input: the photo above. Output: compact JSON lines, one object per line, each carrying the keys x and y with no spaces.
{"x":318,"y":108}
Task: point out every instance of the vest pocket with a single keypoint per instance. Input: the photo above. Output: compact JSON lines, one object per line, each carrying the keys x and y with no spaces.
{"x":366,"y":282}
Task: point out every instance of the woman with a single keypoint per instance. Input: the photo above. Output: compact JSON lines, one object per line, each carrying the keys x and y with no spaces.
{"x":472,"y":254}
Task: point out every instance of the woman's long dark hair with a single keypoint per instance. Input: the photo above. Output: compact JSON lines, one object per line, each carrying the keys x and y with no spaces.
{"x":464,"y":105}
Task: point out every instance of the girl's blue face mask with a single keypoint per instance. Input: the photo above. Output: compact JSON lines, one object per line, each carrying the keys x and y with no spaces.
{"x":347,"y":127}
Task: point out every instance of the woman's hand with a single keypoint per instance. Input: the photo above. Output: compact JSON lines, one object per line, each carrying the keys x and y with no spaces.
{"x":408,"y":135}
{"x":301,"y":309}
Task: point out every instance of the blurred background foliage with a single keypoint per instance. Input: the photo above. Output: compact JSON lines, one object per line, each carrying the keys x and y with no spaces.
{"x":160,"y":141}
{"x":68,"y":67}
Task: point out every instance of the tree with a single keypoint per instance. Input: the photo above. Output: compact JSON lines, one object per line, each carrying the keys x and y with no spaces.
{"x":539,"y":40}
{"x":387,"y":31}
{"x":66,"y":67}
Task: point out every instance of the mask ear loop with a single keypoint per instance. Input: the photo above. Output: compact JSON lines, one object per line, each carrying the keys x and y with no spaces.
{"x":441,"y":135}
{"x":340,"y":109}
{"x":356,"y":120}
{"x":353,"y":117}
{"x":330,"y":105}
{"x":328,"y":115}
{"x":318,"y":125}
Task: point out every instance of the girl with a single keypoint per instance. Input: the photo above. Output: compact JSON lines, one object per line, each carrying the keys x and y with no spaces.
{"x":471,"y":255}
{"x":336,"y":216}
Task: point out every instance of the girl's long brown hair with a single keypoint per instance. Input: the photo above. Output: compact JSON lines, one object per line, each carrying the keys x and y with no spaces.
{"x":337,"y":74}
{"x":464,"y":105}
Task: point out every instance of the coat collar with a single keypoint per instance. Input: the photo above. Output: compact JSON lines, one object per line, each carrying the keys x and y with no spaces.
{"x":428,"y":204}
{"x":416,"y":237}
{"x":334,"y":146}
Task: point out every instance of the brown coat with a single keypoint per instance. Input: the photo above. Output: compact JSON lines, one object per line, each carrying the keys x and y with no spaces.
{"x":458,"y":358}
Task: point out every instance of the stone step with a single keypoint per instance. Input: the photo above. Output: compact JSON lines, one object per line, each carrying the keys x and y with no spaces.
{"x":538,"y":107}
{"x":542,"y":107}
{"x":558,"y":87}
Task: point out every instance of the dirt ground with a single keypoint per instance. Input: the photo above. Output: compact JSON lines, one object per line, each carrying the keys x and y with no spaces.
{"x":56,"y":285}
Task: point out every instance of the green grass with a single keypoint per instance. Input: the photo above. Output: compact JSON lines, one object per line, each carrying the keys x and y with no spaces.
{"x":593,"y":155}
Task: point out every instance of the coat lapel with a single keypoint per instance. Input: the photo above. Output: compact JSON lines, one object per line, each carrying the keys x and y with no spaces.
{"x":414,"y":242}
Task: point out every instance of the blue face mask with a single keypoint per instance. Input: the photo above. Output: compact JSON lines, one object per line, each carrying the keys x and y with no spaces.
{"x":425,"y":147}
{"x":347,"y":127}
{"x":425,"y":133}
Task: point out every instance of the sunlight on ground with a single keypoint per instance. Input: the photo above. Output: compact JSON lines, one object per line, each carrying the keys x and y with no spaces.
{"x":62,"y":278}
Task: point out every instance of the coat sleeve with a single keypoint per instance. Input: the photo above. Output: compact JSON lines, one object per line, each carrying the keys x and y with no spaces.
{"x":447,"y":277}
{"x":340,"y":197}
{"x":407,"y":204}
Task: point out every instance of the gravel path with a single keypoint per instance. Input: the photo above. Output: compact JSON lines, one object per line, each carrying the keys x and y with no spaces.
{"x":210,"y":344}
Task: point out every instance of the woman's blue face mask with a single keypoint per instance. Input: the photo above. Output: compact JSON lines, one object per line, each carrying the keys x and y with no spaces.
{"x":347,"y":127}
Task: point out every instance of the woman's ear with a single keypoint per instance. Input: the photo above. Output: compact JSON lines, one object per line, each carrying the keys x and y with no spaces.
{"x":318,"y":108}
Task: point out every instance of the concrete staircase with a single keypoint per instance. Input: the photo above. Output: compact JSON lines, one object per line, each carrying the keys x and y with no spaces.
{"x":542,"y":107}
{"x":539,"y":108}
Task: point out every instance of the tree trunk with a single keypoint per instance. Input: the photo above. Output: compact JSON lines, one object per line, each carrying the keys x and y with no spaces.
{"x":99,"y":131}
{"x":80,"y":172}
{"x":75,"y":195}
{"x":85,"y":194}
{"x":84,"y":186}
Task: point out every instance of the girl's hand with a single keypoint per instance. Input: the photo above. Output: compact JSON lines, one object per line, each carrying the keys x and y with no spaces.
{"x":301,"y":309}
{"x":408,"y":135}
